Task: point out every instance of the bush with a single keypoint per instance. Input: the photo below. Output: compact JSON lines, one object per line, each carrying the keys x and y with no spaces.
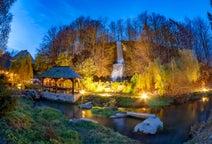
{"x":7,"y":102}
{"x":70,"y":136}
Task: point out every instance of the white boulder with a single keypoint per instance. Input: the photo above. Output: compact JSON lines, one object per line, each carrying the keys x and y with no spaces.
{"x":149,"y":126}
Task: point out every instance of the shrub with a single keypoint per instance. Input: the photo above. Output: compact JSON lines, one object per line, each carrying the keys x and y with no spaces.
{"x":7,"y":102}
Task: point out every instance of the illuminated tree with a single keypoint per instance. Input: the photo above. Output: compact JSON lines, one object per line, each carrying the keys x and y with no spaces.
{"x":64,"y":60}
{"x":22,"y":67}
{"x":86,"y":68}
{"x":42,"y":64}
{"x":184,"y":71}
{"x":189,"y":65}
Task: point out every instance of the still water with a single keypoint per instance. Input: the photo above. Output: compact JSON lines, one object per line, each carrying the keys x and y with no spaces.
{"x":177,"y":120}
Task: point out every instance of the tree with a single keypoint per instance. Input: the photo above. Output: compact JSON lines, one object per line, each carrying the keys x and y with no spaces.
{"x":184,"y":71}
{"x":86,"y":68}
{"x":202,"y":41}
{"x":5,"y":19}
{"x":210,"y":15}
{"x":7,"y":102}
{"x":64,"y":60}
{"x":22,"y":67}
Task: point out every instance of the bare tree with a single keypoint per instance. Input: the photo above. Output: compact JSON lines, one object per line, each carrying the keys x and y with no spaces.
{"x":210,"y":15}
{"x":120,"y":30}
{"x":202,"y":42}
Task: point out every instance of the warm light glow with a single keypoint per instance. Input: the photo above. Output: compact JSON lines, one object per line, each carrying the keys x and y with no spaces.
{"x":19,"y":86}
{"x":205,"y":99}
{"x":144,"y":96}
{"x":105,"y":94}
{"x":204,"y":90}
{"x":107,"y":89}
{"x":83,"y":114}
{"x":82,"y":92}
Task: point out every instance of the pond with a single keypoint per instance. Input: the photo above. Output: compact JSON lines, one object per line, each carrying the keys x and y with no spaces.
{"x":177,"y":120}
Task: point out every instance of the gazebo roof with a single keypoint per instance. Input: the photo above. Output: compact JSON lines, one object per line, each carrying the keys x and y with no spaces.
{"x":60,"y":72}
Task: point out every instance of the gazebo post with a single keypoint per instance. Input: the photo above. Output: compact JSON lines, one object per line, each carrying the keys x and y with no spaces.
{"x":55,"y":80}
{"x":42,"y":80}
{"x":72,"y":80}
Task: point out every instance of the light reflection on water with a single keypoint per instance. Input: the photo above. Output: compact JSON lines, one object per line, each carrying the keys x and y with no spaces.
{"x":177,"y":120}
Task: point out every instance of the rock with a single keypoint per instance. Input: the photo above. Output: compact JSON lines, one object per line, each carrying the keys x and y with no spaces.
{"x":140,"y":115}
{"x":149,"y":126}
{"x":82,"y":119}
{"x":60,"y":97}
{"x":87,"y":105}
{"x":118,"y":115}
{"x":210,"y":137}
{"x":33,"y":94}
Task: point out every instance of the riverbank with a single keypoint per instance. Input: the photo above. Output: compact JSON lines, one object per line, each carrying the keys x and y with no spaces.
{"x":130,"y":101}
{"x":201,"y":132}
{"x":30,"y":124}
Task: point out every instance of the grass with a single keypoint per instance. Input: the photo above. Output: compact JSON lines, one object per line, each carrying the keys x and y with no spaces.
{"x":46,"y":125}
{"x":159,"y":101}
{"x":96,"y":134}
{"x":104,"y":111}
{"x":118,"y":101}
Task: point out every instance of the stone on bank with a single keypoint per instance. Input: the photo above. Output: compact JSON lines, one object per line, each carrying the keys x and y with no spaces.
{"x":149,"y":126}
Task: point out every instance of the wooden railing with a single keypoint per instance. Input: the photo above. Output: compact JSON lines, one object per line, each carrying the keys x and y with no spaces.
{"x":55,"y":89}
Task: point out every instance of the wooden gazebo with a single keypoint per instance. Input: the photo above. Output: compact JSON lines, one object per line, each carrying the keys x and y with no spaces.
{"x":53,"y":80}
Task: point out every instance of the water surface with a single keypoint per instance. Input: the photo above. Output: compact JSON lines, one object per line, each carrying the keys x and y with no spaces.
{"x":177,"y":120}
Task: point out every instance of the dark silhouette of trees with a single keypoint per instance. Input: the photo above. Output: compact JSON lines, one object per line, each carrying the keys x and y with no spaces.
{"x":210,"y":15}
{"x":5,"y":19}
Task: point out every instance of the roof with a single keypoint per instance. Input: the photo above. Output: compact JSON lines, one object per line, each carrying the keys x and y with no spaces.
{"x":60,"y":72}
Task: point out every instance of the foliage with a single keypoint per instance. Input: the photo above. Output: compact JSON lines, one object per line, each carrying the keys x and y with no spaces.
{"x":153,"y":76}
{"x":64,"y":60}
{"x":40,"y":125}
{"x":86,"y":68}
{"x":22,"y":67}
{"x":183,"y":72}
{"x":94,"y":133}
{"x":27,"y":124}
{"x":189,"y":65}
{"x":5,"y":19}
{"x":157,"y":101}
{"x":175,"y":78}
{"x":145,"y":38}
{"x":104,"y":111}
{"x":159,"y":76}
{"x":125,"y":101}
{"x":42,"y":64}
{"x":88,"y":83}
{"x":7,"y":102}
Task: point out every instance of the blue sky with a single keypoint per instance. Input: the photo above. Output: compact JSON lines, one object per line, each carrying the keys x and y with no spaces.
{"x":33,"y":18}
